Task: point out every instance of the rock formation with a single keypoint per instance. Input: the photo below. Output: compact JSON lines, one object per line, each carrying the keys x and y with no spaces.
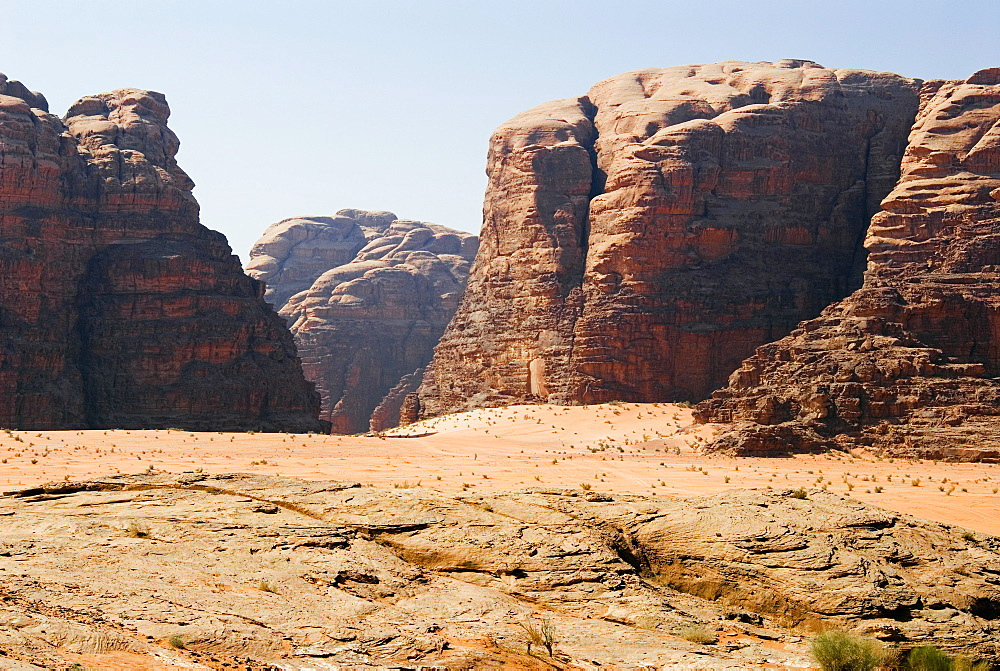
{"x":367,"y":296}
{"x":118,"y":309}
{"x":640,"y":241}
{"x":909,"y":363}
{"x":267,"y":572}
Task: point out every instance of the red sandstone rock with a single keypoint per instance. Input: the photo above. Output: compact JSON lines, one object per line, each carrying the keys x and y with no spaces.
{"x":118,"y":309}
{"x":367,"y":296}
{"x":640,"y":241}
{"x":909,"y":363}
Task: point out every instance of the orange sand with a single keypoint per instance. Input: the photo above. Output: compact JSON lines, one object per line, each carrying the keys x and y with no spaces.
{"x":647,"y":449}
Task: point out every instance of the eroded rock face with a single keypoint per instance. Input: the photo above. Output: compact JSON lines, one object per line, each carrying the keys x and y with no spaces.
{"x":118,"y":309}
{"x":640,"y":241}
{"x":267,"y":570}
{"x":908,"y":363}
{"x":367,"y":296}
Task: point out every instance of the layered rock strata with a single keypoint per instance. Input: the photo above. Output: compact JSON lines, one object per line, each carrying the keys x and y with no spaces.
{"x":118,"y":308}
{"x":261,"y":572}
{"x":640,"y":241}
{"x":909,"y":363}
{"x":367,"y":296}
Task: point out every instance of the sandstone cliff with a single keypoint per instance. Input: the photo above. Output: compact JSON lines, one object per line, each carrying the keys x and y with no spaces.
{"x":367,"y":296}
{"x":118,"y":309}
{"x":909,"y":362}
{"x":640,"y":241}
{"x":269,"y":572}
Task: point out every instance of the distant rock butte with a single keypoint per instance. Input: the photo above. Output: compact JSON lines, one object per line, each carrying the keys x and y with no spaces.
{"x":117,"y":308}
{"x":640,"y":241}
{"x":367,"y":296}
{"x":909,"y":363}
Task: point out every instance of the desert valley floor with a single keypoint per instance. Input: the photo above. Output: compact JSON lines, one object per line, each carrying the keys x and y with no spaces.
{"x":435,"y":545}
{"x":648,"y":449}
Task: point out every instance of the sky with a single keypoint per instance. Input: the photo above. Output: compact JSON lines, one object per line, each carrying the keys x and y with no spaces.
{"x":304,"y":107}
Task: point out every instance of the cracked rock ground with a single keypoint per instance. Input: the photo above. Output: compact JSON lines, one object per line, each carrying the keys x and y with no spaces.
{"x":266,"y":572}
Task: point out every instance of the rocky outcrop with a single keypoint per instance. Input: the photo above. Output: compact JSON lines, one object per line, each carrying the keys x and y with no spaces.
{"x":367,"y":296}
{"x":118,"y":309}
{"x":909,"y":363}
{"x":640,"y":241}
{"x":256,"y":571}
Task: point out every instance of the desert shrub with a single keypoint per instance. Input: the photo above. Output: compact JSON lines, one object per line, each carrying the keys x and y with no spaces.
{"x":928,"y":658}
{"x":840,"y":651}
{"x":137,"y":529}
{"x":177,"y":642}
{"x":541,"y":633}
{"x":696,"y":634}
{"x":961,"y":663}
{"x":800,"y":494}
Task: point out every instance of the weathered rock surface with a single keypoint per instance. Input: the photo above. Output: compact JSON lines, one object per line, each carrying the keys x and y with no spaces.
{"x":640,"y":241}
{"x":909,"y":363}
{"x":367,"y":296}
{"x":281,"y":573}
{"x":117,"y":308}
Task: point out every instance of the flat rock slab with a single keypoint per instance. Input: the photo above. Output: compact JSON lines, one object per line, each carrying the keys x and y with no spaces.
{"x":188,"y":571}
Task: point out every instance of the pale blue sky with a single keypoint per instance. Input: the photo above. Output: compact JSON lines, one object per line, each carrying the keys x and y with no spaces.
{"x":307,"y":107}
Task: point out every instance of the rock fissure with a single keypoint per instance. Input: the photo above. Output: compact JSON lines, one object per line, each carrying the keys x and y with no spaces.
{"x":474,"y":571}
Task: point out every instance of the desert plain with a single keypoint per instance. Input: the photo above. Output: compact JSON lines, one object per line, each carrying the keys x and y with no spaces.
{"x":438,"y":542}
{"x":648,"y":449}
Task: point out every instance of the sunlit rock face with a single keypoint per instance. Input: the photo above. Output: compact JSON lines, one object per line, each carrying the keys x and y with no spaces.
{"x":641,"y":240}
{"x":367,"y":296}
{"x":907,"y":364}
{"x":118,"y":308}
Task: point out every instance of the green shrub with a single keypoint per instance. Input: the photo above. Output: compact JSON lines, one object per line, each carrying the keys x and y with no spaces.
{"x":840,"y":651}
{"x":928,"y":658}
{"x":961,"y":663}
{"x":177,"y":642}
